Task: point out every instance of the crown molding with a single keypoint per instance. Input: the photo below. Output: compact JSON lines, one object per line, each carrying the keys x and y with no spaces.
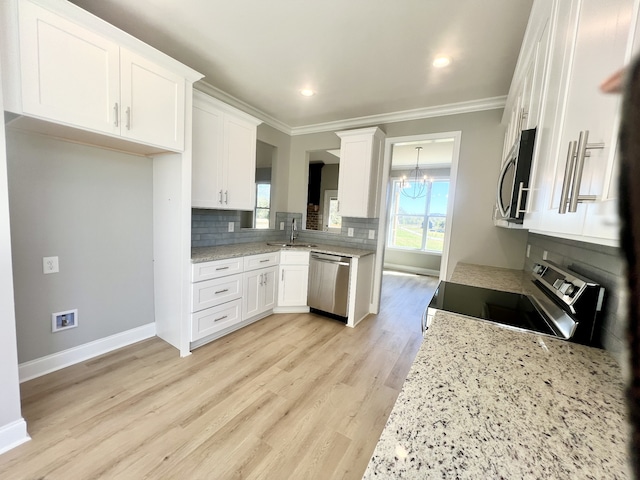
{"x":215,"y":92}
{"x":491,"y":103}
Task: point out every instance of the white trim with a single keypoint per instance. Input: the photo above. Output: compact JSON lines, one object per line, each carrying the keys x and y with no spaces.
{"x":491,"y":103}
{"x":304,"y":309}
{"x":409,"y":269}
{"x":13,"y":434}
{"x":50,"y":363}
{"x":482,"y":104}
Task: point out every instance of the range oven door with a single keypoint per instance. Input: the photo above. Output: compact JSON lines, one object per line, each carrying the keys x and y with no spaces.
{"x":513,"y":182}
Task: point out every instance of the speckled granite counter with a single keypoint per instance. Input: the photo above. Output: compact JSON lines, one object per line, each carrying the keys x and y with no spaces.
{"x":482,"y":401}
{"x":207,"y":254}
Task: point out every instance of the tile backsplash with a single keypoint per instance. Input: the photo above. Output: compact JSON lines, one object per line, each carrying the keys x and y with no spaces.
{"x":602,"y":264}
{"x":211,"y":227}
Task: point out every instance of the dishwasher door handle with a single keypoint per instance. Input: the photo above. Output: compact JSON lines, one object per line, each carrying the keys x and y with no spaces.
{"x":333,"y":262}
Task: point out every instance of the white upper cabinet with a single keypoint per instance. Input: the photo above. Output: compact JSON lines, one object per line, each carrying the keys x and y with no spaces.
{"x":586,"y":121}
{"x":65,"y":66}
{"x":360,"y":168}
{"x":224,"y":156}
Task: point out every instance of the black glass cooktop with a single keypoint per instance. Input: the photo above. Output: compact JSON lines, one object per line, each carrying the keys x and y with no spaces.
{"x":505,"y":308}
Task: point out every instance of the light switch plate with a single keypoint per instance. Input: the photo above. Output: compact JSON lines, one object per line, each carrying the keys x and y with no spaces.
{"x":372,"y":234}
{"x":50,"y":265}
{"x":545,"y":254}
{"x":350,"y":232}
{"x":230,"y":226}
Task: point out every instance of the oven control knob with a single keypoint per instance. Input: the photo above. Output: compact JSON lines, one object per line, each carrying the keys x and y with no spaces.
{"x":566,"y":288}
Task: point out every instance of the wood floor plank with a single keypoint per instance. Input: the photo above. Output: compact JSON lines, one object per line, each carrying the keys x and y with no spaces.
{"x":291,"y":396}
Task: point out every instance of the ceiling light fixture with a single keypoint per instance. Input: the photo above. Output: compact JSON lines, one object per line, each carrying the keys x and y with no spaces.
{"x":441,"y":61}
{"x":415,"y":186}
{"x":307,"y":92}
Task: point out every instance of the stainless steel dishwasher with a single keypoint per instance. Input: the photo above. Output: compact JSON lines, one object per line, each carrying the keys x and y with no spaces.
{"x":329,"y":284}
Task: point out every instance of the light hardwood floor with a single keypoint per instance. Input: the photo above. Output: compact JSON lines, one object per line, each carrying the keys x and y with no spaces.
{"x":289,"y":397}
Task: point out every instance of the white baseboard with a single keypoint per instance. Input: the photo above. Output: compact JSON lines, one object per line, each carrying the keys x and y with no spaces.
{"x":409,"y":269}
{"x":13,"y":434}
{"x":41,"y":366}
{"x":291,"y":310}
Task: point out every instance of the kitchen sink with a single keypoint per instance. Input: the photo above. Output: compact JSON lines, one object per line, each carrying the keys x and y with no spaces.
{"x":290,"y":245}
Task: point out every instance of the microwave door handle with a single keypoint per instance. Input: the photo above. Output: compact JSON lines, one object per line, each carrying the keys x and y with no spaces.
{"x":503,"y":210}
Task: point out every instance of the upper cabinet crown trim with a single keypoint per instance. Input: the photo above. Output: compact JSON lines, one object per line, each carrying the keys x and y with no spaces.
{"x":201,"y":98}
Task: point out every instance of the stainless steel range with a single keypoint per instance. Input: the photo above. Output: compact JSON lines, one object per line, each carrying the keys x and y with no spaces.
{"x":561,"y":304}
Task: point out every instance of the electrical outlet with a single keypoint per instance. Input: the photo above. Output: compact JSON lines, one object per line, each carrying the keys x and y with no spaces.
{"x":545,"y":254}
{"x":231,"y":226}
{"x":350,"y":232}
{"x":281,"y":225}
{"x":372,"y":234}
{"x":528,"y":250}
{"x":50,"y":265}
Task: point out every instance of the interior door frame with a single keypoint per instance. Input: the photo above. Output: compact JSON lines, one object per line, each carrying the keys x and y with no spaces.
{"x":384,"y":200}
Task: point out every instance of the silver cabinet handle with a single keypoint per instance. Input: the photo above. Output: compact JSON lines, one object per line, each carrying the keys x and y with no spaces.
{"x":128,"y":113}
{"x":583,"y":146}
{"x":220,"y":199}
{"x":283,"y":275}
{"x":220,"y":318}
{"x":222,"y":291}
{"x":265,"y":279}
{"x":226,"y":197}
{"x":222,"y":268}
{"x":116,"y":121}
{"x":265,"y":260}
{"x":568,"y":172}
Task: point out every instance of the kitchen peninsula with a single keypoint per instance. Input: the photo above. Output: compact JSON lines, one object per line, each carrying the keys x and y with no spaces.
{"x":483,"y":401}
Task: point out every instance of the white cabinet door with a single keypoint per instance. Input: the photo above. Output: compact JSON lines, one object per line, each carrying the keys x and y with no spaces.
{"x":595,"y":47}
{"x":206,"y":186}
{"x":69,"y":74}
{"x":270,"y":288}
{"x":292,"y":285}
{"x":239,"y":164}
{"x":359,"y":176}
{"x":152,"y":102}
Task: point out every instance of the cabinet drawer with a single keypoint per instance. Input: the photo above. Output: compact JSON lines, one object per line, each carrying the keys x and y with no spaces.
{"x":294,"y":257}
{"x":253,"y":262}
{"x":216,"y":269}
{"x":214,"y":319}
{"x":214,"y":292}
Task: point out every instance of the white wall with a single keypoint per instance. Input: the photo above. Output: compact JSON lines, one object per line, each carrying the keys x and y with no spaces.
{"x":12,"y":426}
{"x":280,"y":167}
{"x":93,"y":208}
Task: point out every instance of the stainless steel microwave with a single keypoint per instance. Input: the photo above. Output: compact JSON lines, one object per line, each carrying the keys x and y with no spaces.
{"x":513,"y":183}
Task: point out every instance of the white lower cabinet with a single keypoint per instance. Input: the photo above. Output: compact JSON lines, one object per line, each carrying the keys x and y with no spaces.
{"x":260,"y":289}
{"x":293,"y":279}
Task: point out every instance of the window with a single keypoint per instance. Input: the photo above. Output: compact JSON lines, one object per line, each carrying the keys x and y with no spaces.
{"x":418,"y":224}
{"x":263,"y":205}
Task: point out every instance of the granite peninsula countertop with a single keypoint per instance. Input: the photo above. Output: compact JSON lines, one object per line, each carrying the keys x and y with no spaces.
{"x":482,"y":401}
{"x":207,"y":254}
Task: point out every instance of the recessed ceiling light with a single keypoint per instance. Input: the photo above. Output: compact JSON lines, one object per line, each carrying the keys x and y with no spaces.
{"x":307,"y":92}
{"x":441,"y":61}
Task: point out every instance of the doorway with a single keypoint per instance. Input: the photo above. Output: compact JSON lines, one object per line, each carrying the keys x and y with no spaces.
{"x":387,"y":182}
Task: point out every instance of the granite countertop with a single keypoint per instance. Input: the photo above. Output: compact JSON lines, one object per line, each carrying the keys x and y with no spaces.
{"x":207,"y":254}
{"x":482,"y":401}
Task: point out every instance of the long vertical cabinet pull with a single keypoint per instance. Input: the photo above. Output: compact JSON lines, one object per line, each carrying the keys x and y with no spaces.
{"x":568,"y":174}
{"x":226,"y":197}
{"x":220,"y":200}
{"x":583,"y":146}
{"x":115,"y":109}
{"x":128,"y":113}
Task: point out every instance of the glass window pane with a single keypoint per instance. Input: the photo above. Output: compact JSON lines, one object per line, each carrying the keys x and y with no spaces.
{"x":413,"y":206}
{"x":435,"y":234}
{"x":335,"y":220}
{"x":263,"y":195}
{"x":407,"y":231}
{"x":439,"y":198}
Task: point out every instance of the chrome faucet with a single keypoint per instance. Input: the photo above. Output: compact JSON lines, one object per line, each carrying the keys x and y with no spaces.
{"x":293,"y":231}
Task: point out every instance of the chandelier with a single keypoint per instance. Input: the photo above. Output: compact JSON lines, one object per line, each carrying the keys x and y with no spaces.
{"x":414,"y":185}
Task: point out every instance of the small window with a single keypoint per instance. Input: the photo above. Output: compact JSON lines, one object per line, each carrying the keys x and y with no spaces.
{"x":418,"y":223}
{"x":263,"y":205}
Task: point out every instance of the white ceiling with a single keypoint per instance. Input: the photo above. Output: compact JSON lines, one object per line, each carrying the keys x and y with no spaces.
{"x":363,"y":57}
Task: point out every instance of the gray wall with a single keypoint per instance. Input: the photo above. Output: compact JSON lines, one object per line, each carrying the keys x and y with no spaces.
{"x":93,"y":209}
{"x":600,"y":263}
{"x":280,"y":164}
